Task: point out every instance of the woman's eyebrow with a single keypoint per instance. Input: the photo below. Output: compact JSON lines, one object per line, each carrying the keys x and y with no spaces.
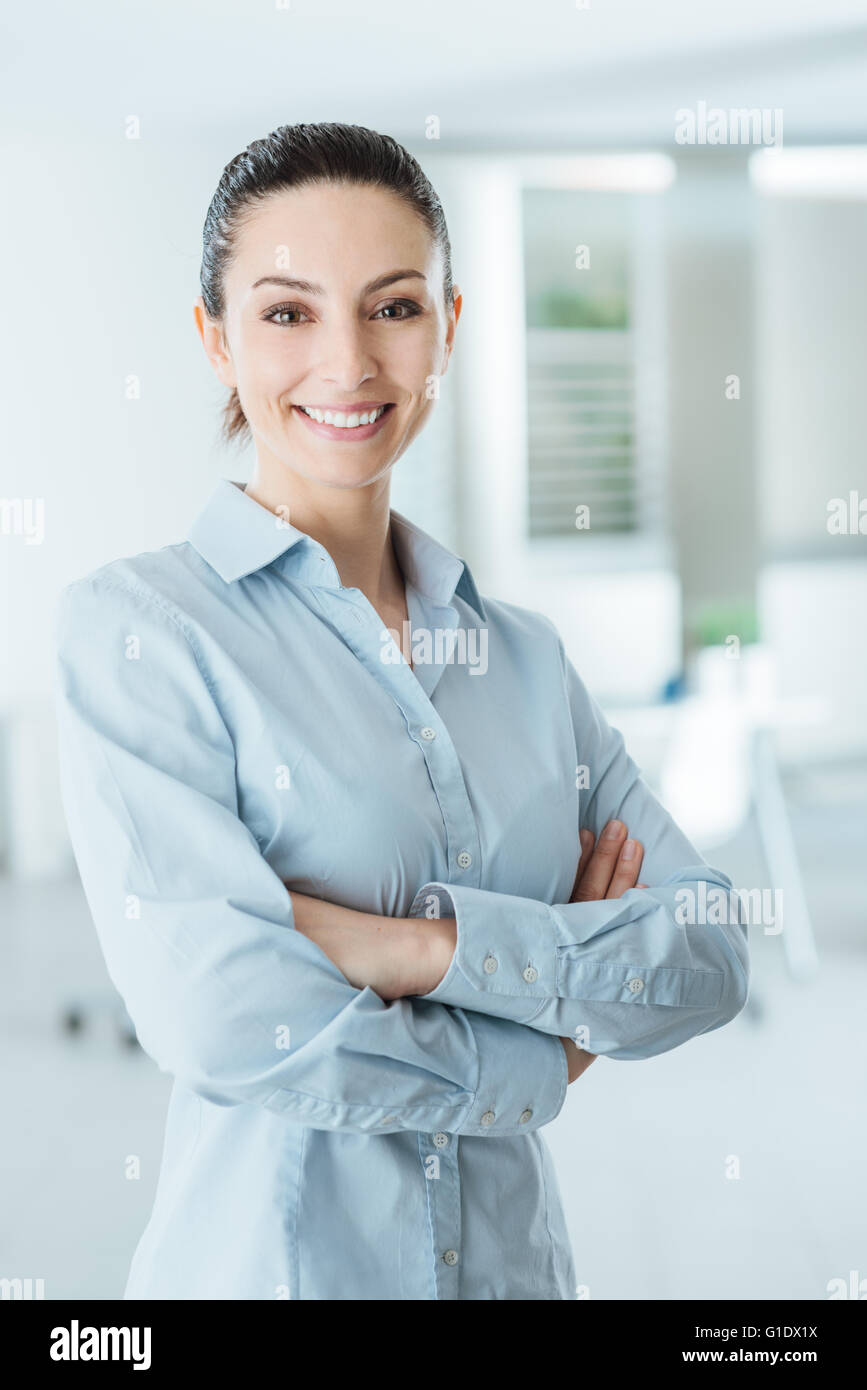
{"x":307,"y":287}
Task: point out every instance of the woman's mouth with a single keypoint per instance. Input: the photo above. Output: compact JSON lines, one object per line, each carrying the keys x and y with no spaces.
{"x":357,"y":422}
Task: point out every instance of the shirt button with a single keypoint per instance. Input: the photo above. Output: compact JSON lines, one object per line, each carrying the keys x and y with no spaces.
{"x":531,"y":974}
{"x":490,"y":964}
{"x":427,"y":732}
{"x":465,"y":859}
{"x":450,"y":1257}
{"x":525,"y":1116}
{"x":441,"y":1140}
{"x":488,"y":1117}
{"x":636,"y":985}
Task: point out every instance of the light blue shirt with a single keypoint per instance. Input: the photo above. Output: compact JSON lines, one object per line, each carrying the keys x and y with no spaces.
{"x":231,"y":720}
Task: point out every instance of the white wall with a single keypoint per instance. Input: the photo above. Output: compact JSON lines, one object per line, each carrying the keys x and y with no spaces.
{"x":100,"y":267}
{"x":100,"y":272}
{"x":811,"y":314}
{"x":711,"y":211}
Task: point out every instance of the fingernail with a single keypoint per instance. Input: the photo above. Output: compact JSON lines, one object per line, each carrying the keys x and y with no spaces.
{"x":628,"y":850}
{"x":613,"y":829}
{"x":584,"y":836}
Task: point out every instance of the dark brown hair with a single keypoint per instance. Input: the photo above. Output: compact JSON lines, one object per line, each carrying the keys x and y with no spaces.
{"x":294,"y":156}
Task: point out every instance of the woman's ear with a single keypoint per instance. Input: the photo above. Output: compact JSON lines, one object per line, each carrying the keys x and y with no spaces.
{"x":452,"y":326}
{"x":213,"y":340}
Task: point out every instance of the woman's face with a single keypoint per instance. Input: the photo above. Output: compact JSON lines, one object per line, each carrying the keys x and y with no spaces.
{"x":333,"y":302}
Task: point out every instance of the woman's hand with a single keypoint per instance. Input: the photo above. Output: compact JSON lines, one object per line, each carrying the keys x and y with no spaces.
{"x":395,"y":956}
{"x":603,"y":872}
{"x":577,"y":1059}
{"x":609,"y":869}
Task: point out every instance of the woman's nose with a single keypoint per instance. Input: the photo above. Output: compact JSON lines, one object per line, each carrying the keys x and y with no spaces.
{"x":346,"y":357}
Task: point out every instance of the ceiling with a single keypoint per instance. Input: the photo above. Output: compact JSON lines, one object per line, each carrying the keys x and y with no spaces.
{"x":498,"y":73}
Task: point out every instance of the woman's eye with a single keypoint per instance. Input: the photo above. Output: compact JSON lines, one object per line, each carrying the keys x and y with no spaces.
{"x":291,"y":315}
{"x":281,"y":315}
{"x":406,"y":307}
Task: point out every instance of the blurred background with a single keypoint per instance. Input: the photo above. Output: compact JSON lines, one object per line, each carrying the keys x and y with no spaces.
{"x":652,"y":430}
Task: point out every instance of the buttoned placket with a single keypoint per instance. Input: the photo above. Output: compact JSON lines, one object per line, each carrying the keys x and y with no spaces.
{"x":352,"y":615}
{"x":412,"y":692}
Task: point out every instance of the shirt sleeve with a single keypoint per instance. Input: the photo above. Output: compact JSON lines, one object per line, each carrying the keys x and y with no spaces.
{"x":626,"y":977}
{"x":196,"y":927}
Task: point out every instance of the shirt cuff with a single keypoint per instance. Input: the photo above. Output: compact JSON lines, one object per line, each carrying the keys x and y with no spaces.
{"x":522,"y":1082}
{"x":513,"y":955}
{"x":506,"y":949}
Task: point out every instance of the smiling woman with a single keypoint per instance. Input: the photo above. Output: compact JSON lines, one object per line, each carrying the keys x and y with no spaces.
{"x":329,"y":204}
{"x":341,"y":893}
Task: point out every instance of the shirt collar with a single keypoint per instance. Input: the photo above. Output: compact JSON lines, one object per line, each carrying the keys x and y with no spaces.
{"x":237,"y":536}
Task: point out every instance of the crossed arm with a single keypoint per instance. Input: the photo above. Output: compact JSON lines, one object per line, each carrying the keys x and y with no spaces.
{"x":401,"y":956}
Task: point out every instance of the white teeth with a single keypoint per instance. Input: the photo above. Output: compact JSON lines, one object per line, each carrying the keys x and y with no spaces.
{"x":342,"y":420}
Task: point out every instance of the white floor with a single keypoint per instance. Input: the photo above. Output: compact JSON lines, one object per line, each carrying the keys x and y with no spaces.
{"x":642,"y":1148}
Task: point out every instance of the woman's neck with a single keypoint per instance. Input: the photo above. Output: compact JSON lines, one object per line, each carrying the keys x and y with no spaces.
{"x":353,"y":525}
